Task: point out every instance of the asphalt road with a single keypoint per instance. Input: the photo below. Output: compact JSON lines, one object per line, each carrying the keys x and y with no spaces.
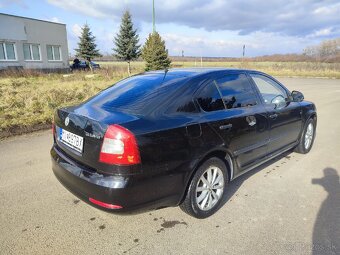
{"x":289,"y":206}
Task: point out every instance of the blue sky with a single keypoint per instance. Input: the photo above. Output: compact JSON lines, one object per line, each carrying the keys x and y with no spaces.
{"x":217,"y":28}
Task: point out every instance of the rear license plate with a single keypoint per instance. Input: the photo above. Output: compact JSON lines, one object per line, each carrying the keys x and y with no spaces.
{"x":71,"y":140}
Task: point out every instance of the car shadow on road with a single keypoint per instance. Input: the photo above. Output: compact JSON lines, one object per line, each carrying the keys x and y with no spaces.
{"x":236,"y":184}
{"x":326,"y":233}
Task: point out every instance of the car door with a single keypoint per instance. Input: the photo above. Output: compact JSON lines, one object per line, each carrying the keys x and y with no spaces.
{"x":240,"y":118}
{"x":284,"y":115}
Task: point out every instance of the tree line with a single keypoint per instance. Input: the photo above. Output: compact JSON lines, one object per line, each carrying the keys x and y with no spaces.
{"x":127,"y":47}
{"x":325,"y":51}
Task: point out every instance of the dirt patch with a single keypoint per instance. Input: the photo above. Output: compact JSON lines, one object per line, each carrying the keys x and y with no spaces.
{"x":13,"y":131}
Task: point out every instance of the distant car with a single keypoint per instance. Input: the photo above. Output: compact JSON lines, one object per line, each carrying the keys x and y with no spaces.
{"x":83,"y":66}
{"x":94,"y":65}
{"x":176,"y":137}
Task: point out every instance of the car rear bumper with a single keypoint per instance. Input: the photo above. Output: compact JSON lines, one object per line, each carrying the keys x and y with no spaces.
{"x":129,"y":193}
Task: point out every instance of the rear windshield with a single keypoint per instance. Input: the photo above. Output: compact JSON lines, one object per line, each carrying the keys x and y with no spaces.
{"x":137,"y":94}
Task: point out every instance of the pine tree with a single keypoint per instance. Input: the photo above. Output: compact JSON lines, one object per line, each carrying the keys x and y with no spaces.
{"x":155,"y":54}
{"x":87,"y":48}
{"x":126,"y":41}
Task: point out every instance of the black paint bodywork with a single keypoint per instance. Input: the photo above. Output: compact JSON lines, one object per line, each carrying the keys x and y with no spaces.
{"x":174,"y":136}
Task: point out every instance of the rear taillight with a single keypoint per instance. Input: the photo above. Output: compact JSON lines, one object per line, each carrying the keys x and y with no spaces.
{"x":119,"y":147}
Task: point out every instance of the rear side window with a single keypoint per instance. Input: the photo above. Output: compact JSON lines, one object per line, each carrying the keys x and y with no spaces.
{"x":236,"y":91}
{"x":209,"y":98}
{"x":138,"y":94}
{"x":187,"y":106}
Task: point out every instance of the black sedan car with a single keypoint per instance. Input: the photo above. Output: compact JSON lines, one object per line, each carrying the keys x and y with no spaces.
{"x":83,"y":65}
{"x":176,"y":137}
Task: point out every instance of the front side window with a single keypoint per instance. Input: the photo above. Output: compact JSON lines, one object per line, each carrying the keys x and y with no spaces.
{"x":31,"y":51}
{"x":210,"y":99}
{"x":270,"y":90}
{"x":236,"y":91}
{"x":53,"y":52}
{"x":7,"y":51}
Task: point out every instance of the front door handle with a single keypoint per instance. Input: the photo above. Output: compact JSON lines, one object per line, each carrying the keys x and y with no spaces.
{"x":224,"y":127}
{"x":273,"y":116}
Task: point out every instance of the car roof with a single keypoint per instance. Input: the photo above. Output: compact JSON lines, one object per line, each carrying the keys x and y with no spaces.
{"x":191,"y":72}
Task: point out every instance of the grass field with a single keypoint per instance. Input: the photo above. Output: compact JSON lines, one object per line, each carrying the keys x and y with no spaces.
{"x":28,"y":100}
{"x":287,"y":69}
{"x":27,"y":103}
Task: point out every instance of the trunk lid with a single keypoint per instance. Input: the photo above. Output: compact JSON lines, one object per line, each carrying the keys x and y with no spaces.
{"x":90,"y":124}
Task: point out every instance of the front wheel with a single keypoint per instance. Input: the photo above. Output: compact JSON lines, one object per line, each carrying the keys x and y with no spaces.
{"x":206,"y":189}
{"x":307,"y":137}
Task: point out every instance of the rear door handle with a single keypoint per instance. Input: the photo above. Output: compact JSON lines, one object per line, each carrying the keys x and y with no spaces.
{"x":273,"y":116}
{"x":224,"y":127}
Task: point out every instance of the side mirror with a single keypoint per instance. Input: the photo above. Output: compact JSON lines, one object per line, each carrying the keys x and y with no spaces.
{"x":297,"y":96}
{"x":279,"y":101}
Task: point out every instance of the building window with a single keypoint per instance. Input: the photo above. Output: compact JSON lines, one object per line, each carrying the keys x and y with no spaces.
{"x":7,"y":51}
{"x":53,"y":53}
{"x":32,"y":52}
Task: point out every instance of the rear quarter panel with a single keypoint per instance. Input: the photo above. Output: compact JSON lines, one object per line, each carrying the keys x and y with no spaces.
{"x":170,"y":154}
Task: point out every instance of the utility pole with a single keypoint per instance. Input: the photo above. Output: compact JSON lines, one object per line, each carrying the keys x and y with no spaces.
{"x":182,"y":57}
{"x":244,"y":51}
{"x":153,"y":17}
{"x":201,"y":57}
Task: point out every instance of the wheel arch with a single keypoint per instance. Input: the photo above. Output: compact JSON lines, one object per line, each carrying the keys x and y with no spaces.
{"x":311,"y":114}
{"x":223,"y":155}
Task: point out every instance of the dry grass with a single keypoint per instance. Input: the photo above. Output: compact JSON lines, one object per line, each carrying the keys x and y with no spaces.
{"x":28,"y":99}
{"x":28,"y":102}
{"x":287,"y":69}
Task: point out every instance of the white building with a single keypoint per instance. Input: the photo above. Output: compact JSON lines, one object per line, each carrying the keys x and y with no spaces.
{"x":32,"y":44}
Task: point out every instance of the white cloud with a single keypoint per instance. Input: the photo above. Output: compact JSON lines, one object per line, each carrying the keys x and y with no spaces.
{"x":328,"y":32}
{"x":213,"y":28}
{"x":76,"y":30}
{"x":289,"y":17}
{"x":323,"y":32}
{"x":258,"y":43}
{"x":328,"y":10}
{"x":6,"y":3}
{"x":55,"y":19}
{"x":85,"y":7}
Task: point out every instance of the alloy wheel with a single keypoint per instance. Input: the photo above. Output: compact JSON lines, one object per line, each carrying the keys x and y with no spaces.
{"x":309,"y":135}
{"x":209,"y":188}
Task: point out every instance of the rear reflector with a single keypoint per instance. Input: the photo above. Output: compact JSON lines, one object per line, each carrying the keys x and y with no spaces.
{"x":102,"y":204}
{"x":119,"y":147}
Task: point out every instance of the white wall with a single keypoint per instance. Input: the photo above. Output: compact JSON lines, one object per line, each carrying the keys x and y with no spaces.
{"x":24,"y":30}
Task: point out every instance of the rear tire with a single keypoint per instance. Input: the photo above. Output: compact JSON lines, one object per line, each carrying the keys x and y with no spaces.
{"x":307,"y":137}
{"x":206,"y":189}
